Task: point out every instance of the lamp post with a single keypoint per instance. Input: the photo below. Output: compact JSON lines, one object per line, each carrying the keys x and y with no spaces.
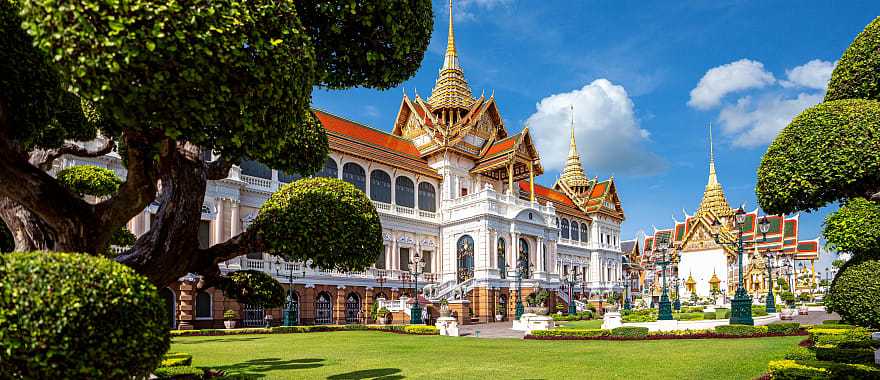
{"x":380,"y":278}
{"x":665,"y":312}
{"x":626,"y":291}
{"x":788,"y":270}
{"x":416,"y":269}
{"x":770,"y":303}
{"x":741,"y":310}
{"x":570,"y":280}
{"x":287,"y":318}
{"x":521,"y":267}
{"x":677,"y":304}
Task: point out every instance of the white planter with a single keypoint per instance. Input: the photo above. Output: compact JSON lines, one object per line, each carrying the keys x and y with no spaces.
{"x":498,"y":317}
{"x":229,"y":324}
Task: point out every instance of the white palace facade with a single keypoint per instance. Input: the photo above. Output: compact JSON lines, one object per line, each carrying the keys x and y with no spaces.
{"x":451,"y":183}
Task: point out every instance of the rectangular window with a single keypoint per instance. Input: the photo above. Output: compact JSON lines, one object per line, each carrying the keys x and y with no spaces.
{"x":426,"y":255}
{"x":204,"y":234}
{"x":404,"y":258}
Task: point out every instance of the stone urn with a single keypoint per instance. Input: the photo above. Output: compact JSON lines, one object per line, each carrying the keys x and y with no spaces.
{"x":538,"y":310}
{"x":229,"y":324}
{"x":444,"y":310}
{"x":610,"y":308}
{"x":498,"y":317}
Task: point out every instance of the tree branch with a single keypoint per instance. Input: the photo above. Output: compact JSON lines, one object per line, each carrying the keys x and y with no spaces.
{"x":43,"y":158}
{"x":140,"y":186}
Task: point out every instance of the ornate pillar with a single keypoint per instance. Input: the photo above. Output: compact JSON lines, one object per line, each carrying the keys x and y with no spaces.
{"x":368,"y":303}
{"x":510,"y":179}
{"x":531,"y":181}
{"x":339,"y":305}
{"x":185,"y":307}
{"x":218,"y":223}
{"x":514,"y":250}
{"x":236,"y":217}
{"x":540,"y":253}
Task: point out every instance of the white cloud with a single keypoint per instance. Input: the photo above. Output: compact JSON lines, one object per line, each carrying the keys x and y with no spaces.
{"x":754,"y":123}
{"x":728,"y":78}
{"x":608,"y":135}
{"x":371,"y":111}
{"x":814,"y":74}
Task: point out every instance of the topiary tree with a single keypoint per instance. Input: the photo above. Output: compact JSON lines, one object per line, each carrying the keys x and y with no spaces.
{"x":828,"y":154}
{"x":171,"y":82}
{"x":52,"y":326}
{"x":253,"y":288}
{"x":855,"y":293}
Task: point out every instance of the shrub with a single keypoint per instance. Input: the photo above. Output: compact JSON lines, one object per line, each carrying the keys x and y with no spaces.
{"x":68,"y":313}
{"x":253,"y":288}
{"x":571,"y":332}
{"x":421,"y":330}
{"x":229,"y":315}
{"x":845,"y":355}
{"x":832,"y":326}
{"x":831,"y":322}
{"x":689,"y":316}
{"x":800,"y":353}
{"x":722,"y":313}
{"x":179,"y":373}
{"x":708,"y":315}
{"x":855,"y":75}
{"x":784,"y":328}
{"x":176,"y":359}
{"x":631,"y":332}
{"x":791,"y":370}
{"x":855,"y":293}
{"x":741,"y":330}
{"x":89,"y":180}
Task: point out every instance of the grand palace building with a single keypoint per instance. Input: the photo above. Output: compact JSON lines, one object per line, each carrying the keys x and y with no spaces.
{"x":705,"y":268}
{"x":451,"y":184}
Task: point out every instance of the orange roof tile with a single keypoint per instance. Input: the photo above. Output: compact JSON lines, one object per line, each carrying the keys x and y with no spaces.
{"x":548,"y":193}
{"x":501,"y":146}
{"x":359,"y":132}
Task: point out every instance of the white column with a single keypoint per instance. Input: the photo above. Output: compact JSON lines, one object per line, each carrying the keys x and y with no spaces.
{"x":218,"y":223}
{"x":137,"y":224}
{"x":236,"y":217}
{"x":514,"y":250}
{"x":395,"y":255}
{"x":145,"y":217}
{"x":493,"y":248}
{"x":540,"y":254}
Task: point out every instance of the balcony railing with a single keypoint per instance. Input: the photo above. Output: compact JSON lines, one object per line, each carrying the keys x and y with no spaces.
{"x":408,"y":212}
{"x":260,"y":183}
{"x":283,"y":268}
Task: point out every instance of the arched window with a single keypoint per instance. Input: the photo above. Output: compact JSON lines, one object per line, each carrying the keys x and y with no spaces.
{"x":564,"y":229}
{"x":404,"y":192}
{"x":323,"y":309}
{"x":575,"y":233}
{"x":170,"y":306}
{"x":465,"y":256}
{"x":502,"y":258}
{"x":380,"y":186}
{"x":330,"y":169}
{"x":354,"y":174}
{"x":524,"y":257}
{"x":203,"y":305}
{"x":352,"y":308}
{"x":255,"y":169}
{"x":585,"y":233}
{"x":427,"y":197}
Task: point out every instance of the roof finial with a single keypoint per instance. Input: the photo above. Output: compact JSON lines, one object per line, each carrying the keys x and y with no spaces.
{"x":573,"y":172}
{"x":713,"y":178}
{"x":451,"y":55}
{"x":451,"y":90}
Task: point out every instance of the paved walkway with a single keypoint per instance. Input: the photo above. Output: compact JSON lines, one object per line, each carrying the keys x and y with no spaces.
{"x":491,"y":330}
{"x":815,"y":317}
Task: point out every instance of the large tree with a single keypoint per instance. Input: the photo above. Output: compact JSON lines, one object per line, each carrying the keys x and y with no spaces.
{"x":830,"y":153}
{"x":168,"y":81}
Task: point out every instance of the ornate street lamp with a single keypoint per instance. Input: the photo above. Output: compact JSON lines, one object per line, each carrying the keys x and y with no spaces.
{"x":570,"y":280}
{"x":770,"y":303}
{"x":665,"y":312}
{"x":416,"y":268}
{"x":741,"y":310}
{"x":626,"y":291}
{"x":288,"y":314}
{"x":521,"y":268}
{"x":380,"y":278}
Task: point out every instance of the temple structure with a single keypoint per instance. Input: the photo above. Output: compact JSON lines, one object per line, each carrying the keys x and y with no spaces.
{"x":709,"y":269}
{"x":453,"y":186}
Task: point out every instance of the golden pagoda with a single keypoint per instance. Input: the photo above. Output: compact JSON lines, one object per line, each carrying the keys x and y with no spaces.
{"x":451,"y":95}
{"x":714,"y":282}
{"x":573,"y":173}
{"x":691,"y":284}
{"x":714,"y":201}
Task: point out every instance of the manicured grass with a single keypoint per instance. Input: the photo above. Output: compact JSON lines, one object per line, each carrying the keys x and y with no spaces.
{"x":590,"y":324}
{"x":371,"y":355}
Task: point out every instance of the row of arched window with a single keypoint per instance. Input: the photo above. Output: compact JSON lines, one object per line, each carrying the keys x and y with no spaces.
{"x":380,"y":183}
{"x":323,"y":307}
{"x":573,"y":230}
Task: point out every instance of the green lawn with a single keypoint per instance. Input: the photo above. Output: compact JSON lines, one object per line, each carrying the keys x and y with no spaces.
{"x":590,"y":324}
{"x":378,"y":355}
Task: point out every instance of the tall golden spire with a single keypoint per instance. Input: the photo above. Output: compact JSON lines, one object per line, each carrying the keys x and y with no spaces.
{"x":573,"y":172}
{"x":451,"y":90}
{"x":713,"y":196}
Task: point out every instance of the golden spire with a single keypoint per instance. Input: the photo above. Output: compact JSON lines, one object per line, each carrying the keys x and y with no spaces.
{"x":573,"y":172}
{"x":713,"y":197}
{"x":451,"y":89}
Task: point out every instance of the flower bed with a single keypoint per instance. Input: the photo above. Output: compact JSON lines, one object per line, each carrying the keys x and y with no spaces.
{"x":815,"y":369}
{"x":400,"y":329}
{"x":642,"y":333}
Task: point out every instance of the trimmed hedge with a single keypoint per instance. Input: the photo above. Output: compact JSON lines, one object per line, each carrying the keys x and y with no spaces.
{"x":815,"y":369}
{"x":800,"y":353}
{"x":176,"y":359}
{"x":784,"y":328}
{"x":741,"y":329}
{"x":68,"y":313}
{"x":89,"y":180}
{"x":709,"y":315}
{"x":630,"y":332}
{"x":856,"y":73}
{"x":403,"y":329}
{"x":855,"y":293}
{"x":179,"y":373}
{"x":560,"y":332}
{"x":845,"y":355}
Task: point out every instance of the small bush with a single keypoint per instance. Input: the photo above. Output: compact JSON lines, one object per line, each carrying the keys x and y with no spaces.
{"x":784,"y":328}
{"x":855,"y":293}
{"x":800,"y":353}
{"x":67,"y":313}
{"x":722,"y":313}
{"x":741,"y":330}
{"x":791,"y":370}
{"x":689,"y":316}
{"x":709,"y":315}
{"x":571,"y":332}
{"x":421,"y":330}
{"x":176,"y":359}
{"x":179,"y":373}
{"x":845,"y":355}
{"x":840,"y":326}
{"x":831,"y":322}
{"x":253,"y":288}
{"x":630,"y":332}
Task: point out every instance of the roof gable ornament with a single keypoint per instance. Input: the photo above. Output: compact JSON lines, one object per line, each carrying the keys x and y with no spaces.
{"x":451,"y":91}
{"x":713,"y":196}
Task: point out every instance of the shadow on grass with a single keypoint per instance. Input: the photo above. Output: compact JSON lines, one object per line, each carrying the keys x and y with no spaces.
{"x":216,"y":340}
{"x":372,"y":374}
{"x":253,"y":369}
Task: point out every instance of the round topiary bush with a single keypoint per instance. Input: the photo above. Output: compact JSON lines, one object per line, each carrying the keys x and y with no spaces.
{"x":253,"y":288}
{"x":857,"y":73}
{"x":89,"y":180}
{"x":75,"y":316}
{"x":325,"y":220}
{"x":862,"y":241}
{"x":855,"y":293}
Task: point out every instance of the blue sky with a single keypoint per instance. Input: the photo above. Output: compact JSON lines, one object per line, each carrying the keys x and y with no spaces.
{"x":645,"y":79}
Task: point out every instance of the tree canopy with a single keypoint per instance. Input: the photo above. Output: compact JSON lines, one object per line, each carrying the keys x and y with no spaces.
{"x":169,"y":83}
